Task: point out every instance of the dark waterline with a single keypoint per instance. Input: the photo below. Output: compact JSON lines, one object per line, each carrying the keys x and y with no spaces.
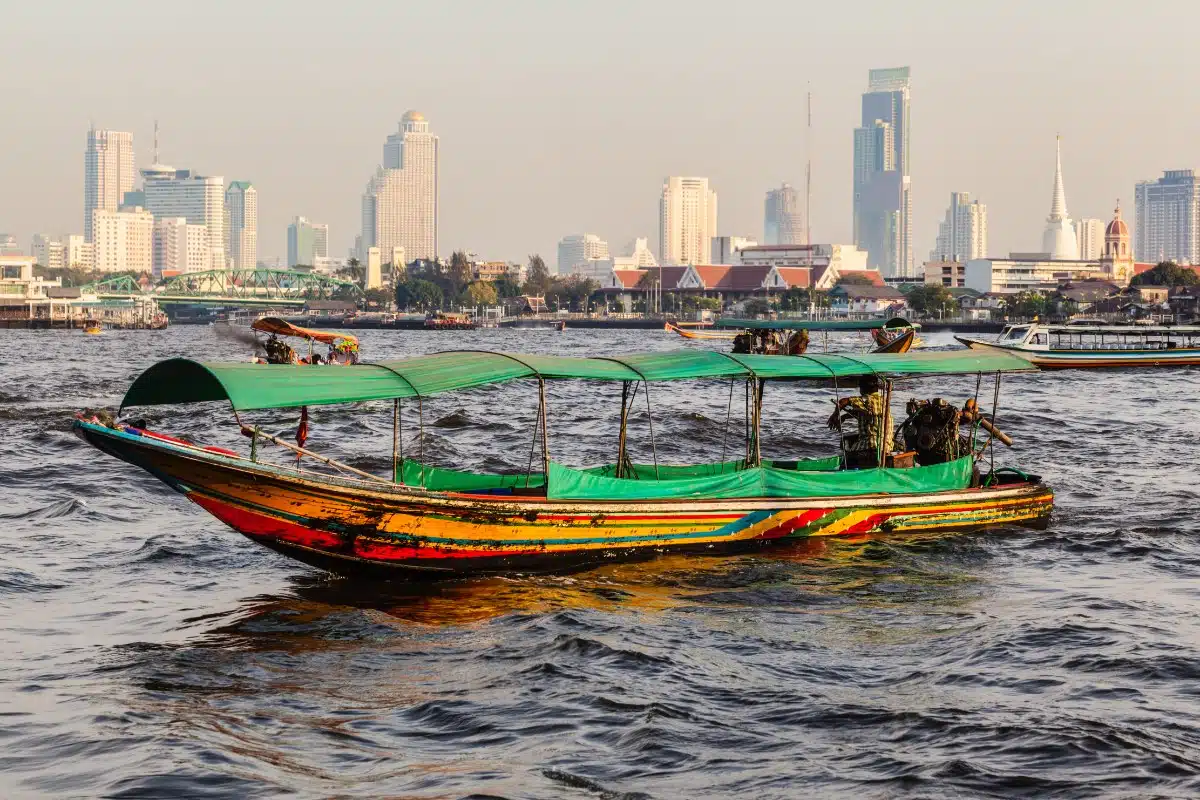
{"x":149,"y":651}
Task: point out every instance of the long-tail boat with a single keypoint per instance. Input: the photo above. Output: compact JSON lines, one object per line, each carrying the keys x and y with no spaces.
{"x":695,"y":332}
{"x":1096,"y":345}
{"x":426,"y":519}
{"x":791,"y":336}
{"x":343,"y":347}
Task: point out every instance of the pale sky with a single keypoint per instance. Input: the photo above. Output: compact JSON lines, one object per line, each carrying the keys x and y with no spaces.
{"x":561,"y":116}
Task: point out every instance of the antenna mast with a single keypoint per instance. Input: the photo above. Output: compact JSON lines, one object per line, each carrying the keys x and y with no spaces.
{"x":808,"y":180}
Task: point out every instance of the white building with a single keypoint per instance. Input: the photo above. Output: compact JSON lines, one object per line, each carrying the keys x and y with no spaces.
{"x":962,"y":235}
{"x":400,"y":204}
{"x":687,"y":221}
{"x":1059,"y":237}
{"x":307,"y":241}
{"x":578,"y":249}
{"x":78,"y":252}
{"x":725,"y":249}
{"x":241,"y":226}
{"x":600,"y":269}
{"x":1027,"y":272}
{"x":1089,"y":233}
{"x":48,"y":251}
{"x":326,"y":265}
{"x":123,"y":240}
{"x":374,"y":264}
{"x":783,"y":222}
{"x":108,"y":172}
{"x":398,"y":259}
{"x":180,"y":246}
{"x":199,"y":199}
{"x":1167,"y":218}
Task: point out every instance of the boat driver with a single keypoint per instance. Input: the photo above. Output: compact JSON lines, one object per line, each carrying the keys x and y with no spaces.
{"x":874,"y":420}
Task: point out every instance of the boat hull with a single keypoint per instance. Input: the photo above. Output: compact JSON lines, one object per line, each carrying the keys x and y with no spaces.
{"x":1074,"y":359}
{"x":351,"y":525}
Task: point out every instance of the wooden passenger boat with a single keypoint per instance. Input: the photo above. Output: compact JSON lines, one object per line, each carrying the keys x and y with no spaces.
{"x":699,"y":334}
{"x":92,"y":327}
{"x":343,"y":347}
{"x":424,"y":519}
{"x":1092,"y":345}
{"x":791,"y":336}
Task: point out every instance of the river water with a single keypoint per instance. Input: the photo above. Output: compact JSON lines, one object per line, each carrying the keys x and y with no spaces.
{"x":146,"y":650}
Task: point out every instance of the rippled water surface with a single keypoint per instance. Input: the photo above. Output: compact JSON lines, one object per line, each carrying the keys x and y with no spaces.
{"x":146,"y":650}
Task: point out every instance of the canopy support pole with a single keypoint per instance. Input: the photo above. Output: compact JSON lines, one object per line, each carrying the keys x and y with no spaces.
{"x":746,"y":426}
{"x":995,"y":410}
{"x":421,"y":436}
{"x":624,"y":422}
{"x":760,"y":385}
{"x":728,"y":419}
{"x":886,"y":433}
{"x":975,"y":424}
{"x":545,"y":433}
{"x":650,"y":416}
{"x":396,"y":440}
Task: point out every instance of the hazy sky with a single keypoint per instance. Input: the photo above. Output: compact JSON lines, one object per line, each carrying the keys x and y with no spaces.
{"x":563,"y":116}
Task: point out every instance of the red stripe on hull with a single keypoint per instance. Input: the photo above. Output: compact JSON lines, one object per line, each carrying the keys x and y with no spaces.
{"x":261,"y":525}
{"x":795,"y":523}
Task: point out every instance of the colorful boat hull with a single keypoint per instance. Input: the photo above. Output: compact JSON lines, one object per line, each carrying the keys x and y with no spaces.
{"x":348,"y":525}
{"x":1072,"y":359}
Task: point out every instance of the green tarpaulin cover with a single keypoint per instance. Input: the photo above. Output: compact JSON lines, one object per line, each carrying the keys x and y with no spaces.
{"x":573,"y":484}
{"x":257,"y":386}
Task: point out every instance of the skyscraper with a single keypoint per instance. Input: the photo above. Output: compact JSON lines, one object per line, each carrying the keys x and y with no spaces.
{"x":241,"y":225}
{"x":400,"y":204}
{"x":1167,"y":218}
{"x":687,"y":221}
{"x":882,"y":186}
{"x":578,"y":249}
{"x":307,"y":241}
{"x":1059,"y":239}
{"x":108,"y":172}
{"x":962,"y":235}
{"x":1089,"y":233}
{"x":199,"y":199}
{"x":783,"y":222}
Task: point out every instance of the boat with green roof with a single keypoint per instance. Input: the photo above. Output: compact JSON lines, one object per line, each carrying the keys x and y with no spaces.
{"x":421,"y":519}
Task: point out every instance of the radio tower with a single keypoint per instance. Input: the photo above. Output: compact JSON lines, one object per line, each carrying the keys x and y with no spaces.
{"x":808,"y":180}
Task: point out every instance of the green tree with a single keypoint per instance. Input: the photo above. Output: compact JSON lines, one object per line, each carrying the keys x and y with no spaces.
{"x":479,"y":293}
{"x":378,"y":298}
{"x":506,"y":287}
{"x":419,"y":294}
{"x":538,"y":281}
{"x":855,"y":278}
{"x":1027,"y":304}
{"x":458,"y":272}
{"x":756,"y":306}
{"x":576,"y":289}
{"x":932,"y":300}
{"x":1166,"y":273}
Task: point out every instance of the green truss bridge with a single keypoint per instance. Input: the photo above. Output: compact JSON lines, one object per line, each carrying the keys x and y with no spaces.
{"x":232,"y":287}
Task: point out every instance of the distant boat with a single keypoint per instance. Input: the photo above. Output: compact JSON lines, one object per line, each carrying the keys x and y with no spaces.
{"x":92,"y":327}
{"x":1087,"y":344}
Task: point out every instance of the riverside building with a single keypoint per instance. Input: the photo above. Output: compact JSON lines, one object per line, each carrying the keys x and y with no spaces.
{"x":1167,"y":218}
{"x":400,"y":203}
{"x":687,"y":220}
{"x":108,"y":172}
{"x":241,"y":226}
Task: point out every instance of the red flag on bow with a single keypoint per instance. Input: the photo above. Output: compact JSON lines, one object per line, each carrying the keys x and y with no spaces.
{"x":302,"y":428}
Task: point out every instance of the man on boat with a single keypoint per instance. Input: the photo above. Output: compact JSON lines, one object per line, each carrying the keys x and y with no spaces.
{"x":874,"y":420}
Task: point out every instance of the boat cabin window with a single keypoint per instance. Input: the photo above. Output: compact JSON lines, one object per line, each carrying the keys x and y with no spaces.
{"x":1015,"y":333}
{"x":1040,"y":338}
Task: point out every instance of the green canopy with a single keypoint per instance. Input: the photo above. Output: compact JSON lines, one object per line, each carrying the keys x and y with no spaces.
{"x":816,"y":324}
{"x":257,"y":386}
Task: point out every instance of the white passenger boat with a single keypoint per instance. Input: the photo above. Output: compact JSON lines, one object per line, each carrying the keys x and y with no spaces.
{"x":1087,"y":344}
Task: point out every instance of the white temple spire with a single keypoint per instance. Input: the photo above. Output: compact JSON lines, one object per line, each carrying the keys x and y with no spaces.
{"x":1059,"y":238}
{"x":1058,"y":205}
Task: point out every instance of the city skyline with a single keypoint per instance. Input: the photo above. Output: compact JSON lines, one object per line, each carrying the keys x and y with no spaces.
{"x":522,"y":169}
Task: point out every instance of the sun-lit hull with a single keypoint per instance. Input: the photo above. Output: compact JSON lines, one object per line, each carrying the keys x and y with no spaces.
{"x":698,"y":334}
{"x":343,"y":525}
{"x":1073,"y":359}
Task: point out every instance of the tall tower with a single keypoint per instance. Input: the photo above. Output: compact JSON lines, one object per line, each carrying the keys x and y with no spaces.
{"x":1059,"y":239}
{"x":1118,"y":249}
{"x":108,"y":173}
{"x":962,"y":235}
{"x":687,"y":221}
{"x":882,"y":185}
{"x":241,"y":225}
{"x":400,"y":203}
{"x":782,"y":222}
